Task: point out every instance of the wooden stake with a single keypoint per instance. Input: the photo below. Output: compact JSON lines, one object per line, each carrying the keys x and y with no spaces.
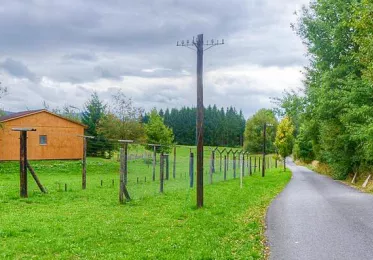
{"x":225,"y":167}
{"x":234,"y":166}
{"x":167,"y":166}
{"x":84,"y":162}
{"x":23,"y":164}
{"x":191,"y":170}
{"x":211,"y":167}
{"x":174,"y":164}
{"x":33,"y":174}
{"x":161,"y":173}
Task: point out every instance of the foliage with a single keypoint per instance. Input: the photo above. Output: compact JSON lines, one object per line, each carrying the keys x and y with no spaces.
{"x":253,"y":141}
{"x":93,"y":112}
{"x":337,"y":118}
{"x":158,"y":133}
{"x":303,"y":146}
{"x":222,"y":127}
{"x":164,"y":226}
{"x":291,"y":104}
{"x":123,"y":121}
{"x":285,"y":137}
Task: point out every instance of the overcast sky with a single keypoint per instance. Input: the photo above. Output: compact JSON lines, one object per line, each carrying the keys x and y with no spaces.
{"x":61,"y":51}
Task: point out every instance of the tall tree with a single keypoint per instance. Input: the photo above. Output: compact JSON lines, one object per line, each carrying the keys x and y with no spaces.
{"x":285,"y":138}
{"x":123,"y":120}
{"x":338,"y":99}
{"x":253,"y":141}
{"x":94,"y":111}
{"x":158,"y":133}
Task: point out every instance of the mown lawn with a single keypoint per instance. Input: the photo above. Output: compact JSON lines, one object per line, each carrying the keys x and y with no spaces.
{"x":91,"y":224}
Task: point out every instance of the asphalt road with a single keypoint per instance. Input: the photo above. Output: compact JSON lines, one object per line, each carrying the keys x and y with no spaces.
{"x":316,"y":217}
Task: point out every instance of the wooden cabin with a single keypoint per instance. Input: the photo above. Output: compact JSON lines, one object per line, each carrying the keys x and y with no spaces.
{"x":55,"y":138}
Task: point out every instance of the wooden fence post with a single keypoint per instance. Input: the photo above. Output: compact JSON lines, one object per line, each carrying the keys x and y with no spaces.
{"x":225,"y":167}
{"x":234,"y":166}
{"x":243,"y":165}
{"x":23,"y":164}
{"x":255,"y":164}
{"x":174,"y":164}
{"x":124,"y":171}
{"x":211,"y":166}
{"x":167,"y":167}
{"x":161,"y":173}
{"x":154,"y":160}
{"x":191,"y":170}
{"x":250,"y":167}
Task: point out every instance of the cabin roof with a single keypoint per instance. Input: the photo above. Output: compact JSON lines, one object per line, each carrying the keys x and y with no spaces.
{"x":21,"y":114}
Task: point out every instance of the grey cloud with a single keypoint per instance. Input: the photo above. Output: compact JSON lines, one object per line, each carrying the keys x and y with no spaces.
{"x":83,"y":41}
{"x":17,"y":69}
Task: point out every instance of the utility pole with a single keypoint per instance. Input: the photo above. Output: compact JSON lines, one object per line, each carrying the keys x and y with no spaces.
{"x":199,"y":45}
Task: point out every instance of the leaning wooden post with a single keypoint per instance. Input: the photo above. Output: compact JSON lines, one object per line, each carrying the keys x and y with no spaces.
{"x":259,"y":164}
{"x":33,"y":174}
{"x":23,"y":160}
{"x":191,"y":170}
{"x":161,"y":173}
{"x":124,"y":171}
{"x":174,"y":164}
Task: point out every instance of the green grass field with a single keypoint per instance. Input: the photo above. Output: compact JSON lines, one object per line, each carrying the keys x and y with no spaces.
{"x":91,"y":224}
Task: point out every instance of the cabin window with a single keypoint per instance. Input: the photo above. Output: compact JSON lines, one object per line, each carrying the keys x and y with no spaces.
{"x":42,"y":139}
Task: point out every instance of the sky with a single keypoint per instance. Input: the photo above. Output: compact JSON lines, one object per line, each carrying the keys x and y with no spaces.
{"x":61,"y":51}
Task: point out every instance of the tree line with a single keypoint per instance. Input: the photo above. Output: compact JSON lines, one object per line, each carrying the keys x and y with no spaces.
{"x":222,"y":127}
{"x":332,"y":115}
{"x":123,"y":120}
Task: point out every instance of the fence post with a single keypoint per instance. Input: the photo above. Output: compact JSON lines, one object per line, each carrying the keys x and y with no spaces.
{"x":124,"y":171}
{"x":242,"y":171}
{"x":161,"y":173}
{"x":255,"y":164}
{"x":243,"y":165}
{"x":211,"y":166}
{"x":213,"y":161}
{"x":225,"y":167}
{"x":191,"y":170}
{"x":174,"y":164}
{"x":250,"y":167}
{"x":234,"y":166}
{"x":154,"y":160}
{"x":167,"y":167}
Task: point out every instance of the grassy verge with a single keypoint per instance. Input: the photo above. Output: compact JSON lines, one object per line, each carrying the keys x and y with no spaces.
{"x":91,"y":224}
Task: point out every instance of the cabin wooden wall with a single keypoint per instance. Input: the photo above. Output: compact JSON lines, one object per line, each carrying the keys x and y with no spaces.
{"x":62,"y":140}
